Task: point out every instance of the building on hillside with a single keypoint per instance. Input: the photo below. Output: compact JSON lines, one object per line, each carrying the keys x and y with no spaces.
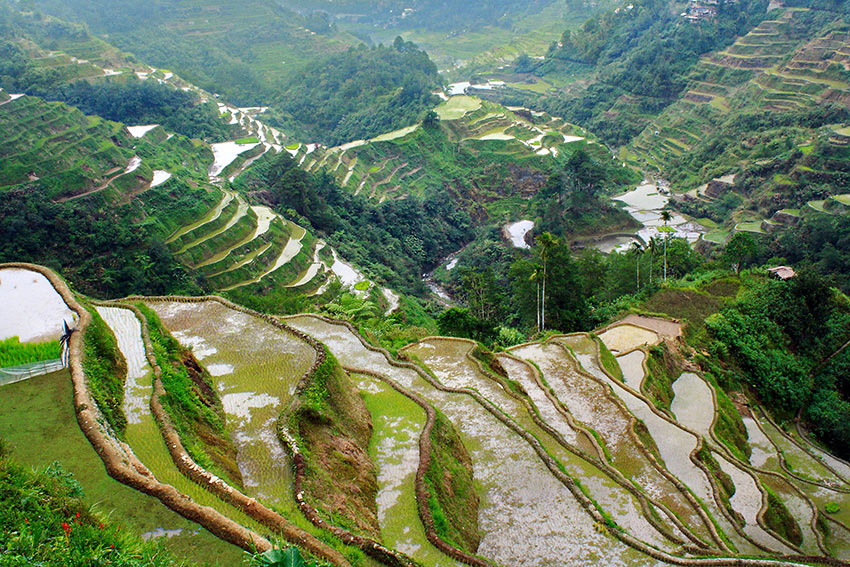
{"x":700,"y":10}
{"x":782,"y":272}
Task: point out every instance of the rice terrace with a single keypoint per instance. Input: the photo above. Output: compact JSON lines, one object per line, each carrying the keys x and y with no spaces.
{"x":424,"y":284}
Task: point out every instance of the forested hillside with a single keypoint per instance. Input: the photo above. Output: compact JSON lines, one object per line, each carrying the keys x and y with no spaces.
{"x":357,"y":94}
{"x":636,"y":59}
{"x":444,"y":15}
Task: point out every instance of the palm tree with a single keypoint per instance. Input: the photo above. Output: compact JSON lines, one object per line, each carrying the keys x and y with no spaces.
{"x":547,"y":242}
{"x":535,"y":276}
{"x":653,"y":250}
{"x":637,"y":250}
{"x":665,"y":216}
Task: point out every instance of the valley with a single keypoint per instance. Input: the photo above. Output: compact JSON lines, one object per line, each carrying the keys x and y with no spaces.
{"x":276,"y":291}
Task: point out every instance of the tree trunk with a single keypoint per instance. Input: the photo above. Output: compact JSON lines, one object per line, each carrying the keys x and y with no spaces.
{"x":538,"y":306}
{"x":543,"y":308}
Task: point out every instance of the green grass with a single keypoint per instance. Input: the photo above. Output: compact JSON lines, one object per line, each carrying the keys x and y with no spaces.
{"x":362,"y":286}
{"x":38,"y":424}
{"x":15,"y":353}
{"x":780,"y":520}
{"x":660,"y":377}
{"x":45,"y":522}
{"x":105,"y":370}
{"x":248,"y":140}
{"x":191,"y":402}
{"x":609,"y":362}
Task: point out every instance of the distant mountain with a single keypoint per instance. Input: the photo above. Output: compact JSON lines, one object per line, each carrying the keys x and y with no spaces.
{"x":443,"y":15}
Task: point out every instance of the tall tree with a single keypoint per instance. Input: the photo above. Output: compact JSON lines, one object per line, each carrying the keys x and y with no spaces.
{"x":665,"y":216}
{"x":546,"y":242}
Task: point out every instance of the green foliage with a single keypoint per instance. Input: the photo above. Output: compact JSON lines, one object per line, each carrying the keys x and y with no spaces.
{"x":641,"y":57}
{"x":189,"y":399}
{"x":359,"y":93}
{"x":43,"y":521}
{"x":776,"y":336}
{"x":780,"y":520}
{"x":105,"y":370}
{"x":832,"y":508}
{"x":609,"y":361}
{"x":662,"y":371}
{"x":15,"y":353}
{"x":373,"y":235}
{"x":144,"y":102}
{"x":819,"y":240}
{"x":452,"y":498}
{"x":729,"y":427}
{"x":275,"y":557}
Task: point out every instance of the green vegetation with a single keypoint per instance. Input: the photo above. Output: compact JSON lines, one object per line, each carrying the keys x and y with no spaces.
{"x":357,"y":94}
{"x":778,"y":338}
{"x":15,"y":353}
{"x":780,"y":520}
{"x":105,"y":370}
{"x":248,"y":140}
{"x":639,"y":59}
{"x":333,"y":428}
{"x":191,"y":402}
{"x":832,"y":508}
{"x":451,"y":494}
{"x":392,"y":241}
{"x":728,"y":425}
{"x":609,"y":362}
{"x":663,"y":368}
{"x":38,"y":424}
{"x":724,"y":482}
{"x":44,"y":521}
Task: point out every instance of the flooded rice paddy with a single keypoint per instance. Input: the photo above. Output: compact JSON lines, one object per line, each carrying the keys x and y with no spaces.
{"x":632,"y":366}
{"x":397,"y":424}
{"x":257,"y":367}
{"x":143,"y":435}
{"x":693,"y":404}
{"x":587,"y":401}
{"x":30,"y":308}
{"x":623,"y":338}
{"x":527,"y":517}
{"x":449,"y":360}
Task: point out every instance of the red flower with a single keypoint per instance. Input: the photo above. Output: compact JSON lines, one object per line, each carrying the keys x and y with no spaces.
{"x":27,"y":521}
{"x":67,"y":529}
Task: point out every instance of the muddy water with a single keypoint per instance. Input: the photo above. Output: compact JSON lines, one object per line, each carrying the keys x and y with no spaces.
{"x":397,"y":424}
{"x":143,"y":435}
{"x":263,"y":366}
{"x":632,"y":366}
{"x":526,"y":516}
{"x":128,"y":331}
{"x":623,"y":338}
{"x":693,"y":404}
{"x":674,"y":443}
{"x":30,"y":308}
{"x":448,"y":359}
{"x":747,"y":501}
{"x":841,"y":467}
{"x":589,"y":403}
{"x":763,"y":454}
{"x":798,"y":461}
{"x":799,"y":508}
{"x":521,"y":373}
